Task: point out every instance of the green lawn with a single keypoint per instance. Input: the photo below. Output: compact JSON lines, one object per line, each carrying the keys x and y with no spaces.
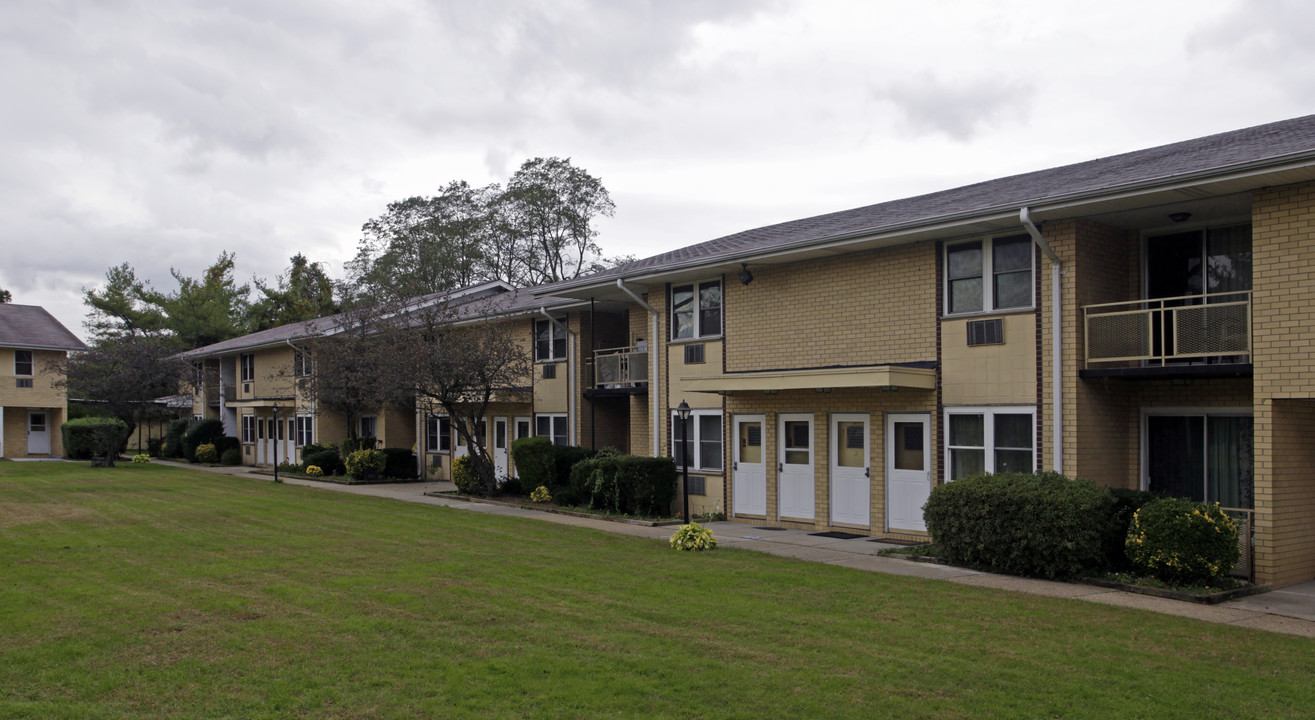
{"x":146,"y":591}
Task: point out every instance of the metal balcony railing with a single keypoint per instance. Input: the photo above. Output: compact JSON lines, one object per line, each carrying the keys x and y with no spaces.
{"x":1160,"y":330}
{"x":621,"y":367}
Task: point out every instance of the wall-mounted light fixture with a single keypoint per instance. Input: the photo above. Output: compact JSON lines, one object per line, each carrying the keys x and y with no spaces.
{"x":1180,"y":216}
{"x":746,"y":277}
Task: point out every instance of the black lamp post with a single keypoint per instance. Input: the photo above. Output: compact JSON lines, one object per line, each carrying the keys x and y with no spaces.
{"x":682,"y":410}
{"x":276,"y":442}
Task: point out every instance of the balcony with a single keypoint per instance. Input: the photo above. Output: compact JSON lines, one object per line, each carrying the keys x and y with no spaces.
{"x":212,"y":394}
{"x":1175,"y":331}
{"x":621,"y":368}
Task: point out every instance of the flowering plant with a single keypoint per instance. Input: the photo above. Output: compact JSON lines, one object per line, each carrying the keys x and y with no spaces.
{"x":141,"y":458}
{"x":314,"y":471}
{"x":1180,"y":541}
{"x":540,"y":495}
{"x":694,"y":537}
{"x":363,"y":462}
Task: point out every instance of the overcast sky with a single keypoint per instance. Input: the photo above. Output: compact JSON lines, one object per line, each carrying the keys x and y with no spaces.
{"x":160,"y":133}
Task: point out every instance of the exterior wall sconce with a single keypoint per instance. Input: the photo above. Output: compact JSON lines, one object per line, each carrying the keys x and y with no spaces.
{"x":1180,"y":216}
{"x":746,"y":277}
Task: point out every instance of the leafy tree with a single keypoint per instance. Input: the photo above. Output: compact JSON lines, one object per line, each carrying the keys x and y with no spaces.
{"x":305,"y":292}
{"x":205,"y":310}
{"x":124,"y":375}
{"x":123,"y":307}
{"x":5,"y":297}
{"x":549,"y":208}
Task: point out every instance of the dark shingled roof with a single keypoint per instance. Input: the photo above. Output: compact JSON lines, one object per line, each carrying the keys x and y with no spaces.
{"x":1155,"y":165}
{"x":30,"y":326}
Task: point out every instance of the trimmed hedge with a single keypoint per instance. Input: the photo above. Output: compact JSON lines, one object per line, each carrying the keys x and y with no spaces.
{"x":1181,"y":541}
{"x":1126,"y":503}
{"x":201,"y":432}
{"x":466,"y":478}
{"x":364,"y":463}
{"x":90,"y":437}
{"x":1038,"y":525}
{"x":626,"y":483}
{"x":231,"y":456}
{"x":327,"y":461}
{"x":535,"y":464}
{"x":173,"y":438}
{"x":399,"y":463}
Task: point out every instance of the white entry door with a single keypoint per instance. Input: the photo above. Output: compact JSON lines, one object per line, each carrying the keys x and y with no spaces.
{"x":262,"y":444}
{"x":749,"y":467}
{"x":851,"y":487}
{"x":38,"y":433}
{"x":794,"y":467}
{"x":290,"y":441}
{"x":908,"y":470}
{"x":500,"y":447}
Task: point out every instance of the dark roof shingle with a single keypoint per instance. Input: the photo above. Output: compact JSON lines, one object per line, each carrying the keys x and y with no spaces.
{"x":30,"y":326}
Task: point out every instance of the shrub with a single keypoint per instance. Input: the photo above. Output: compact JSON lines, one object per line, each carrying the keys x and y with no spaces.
{"x":312,"y":448}
{"x":534,"y":461}
{"x":314,"y":471}
{"x":626,"y":483}
{"x":1126,"y":502}
{"x":511,"y":486}
{"x":1181,"y":541}
{"x":231,"y":456}
{"x":201,"y":432}
{"x":1042,"y":525}
{"x":327,"y":460}
{"x":90,"y":437}
{"x":399,"y":463}
{"x":141,"y":458}
{"x":694,"y":537}
{"x":173,"y":437}
{"x":224,"y":443}
{"x":540,"y":495}
{"x":364,"y":463}
{"x":155,"y":447}
{"x":466,"y":478}
{"x":351,"y":445}
{"x":206,"y":453}
{"x":565,"y":458}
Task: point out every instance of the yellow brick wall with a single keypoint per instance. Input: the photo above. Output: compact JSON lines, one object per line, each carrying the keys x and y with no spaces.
{"x":989,"y":374}
{"x":1283,"y":332}
{"x":44,"y":392}
{"x":273,"y":375}
{"x":859,"y":309}
{"x":15,"y":432}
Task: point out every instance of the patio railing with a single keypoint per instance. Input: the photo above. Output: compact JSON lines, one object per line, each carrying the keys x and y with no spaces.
{"x":1160,"y":330}
{"x":621,"y":367}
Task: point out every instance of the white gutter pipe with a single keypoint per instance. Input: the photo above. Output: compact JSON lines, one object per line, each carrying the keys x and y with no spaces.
{"x":654,"y":365}
{"x":1056,"y":340}
{"x":570,"y":373}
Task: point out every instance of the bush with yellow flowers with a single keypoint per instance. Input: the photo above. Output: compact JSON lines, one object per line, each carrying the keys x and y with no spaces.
{"x":1181,"y":541}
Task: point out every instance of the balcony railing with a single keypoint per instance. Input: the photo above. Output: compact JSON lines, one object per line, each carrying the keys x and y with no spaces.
{"x":621,"y":367}
{"x":1161,"y":330}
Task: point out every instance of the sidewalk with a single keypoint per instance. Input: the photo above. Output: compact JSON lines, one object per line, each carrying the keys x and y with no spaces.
{"x":1290,"y":610}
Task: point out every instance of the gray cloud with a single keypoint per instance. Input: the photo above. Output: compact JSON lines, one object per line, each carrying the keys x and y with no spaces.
{"x":960,"y":109}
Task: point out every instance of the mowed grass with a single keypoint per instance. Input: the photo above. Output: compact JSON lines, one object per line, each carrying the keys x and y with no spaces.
{"x":153,"y":592}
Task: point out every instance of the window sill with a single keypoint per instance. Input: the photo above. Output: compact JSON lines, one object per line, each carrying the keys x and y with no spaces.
{"x":989,"y":313}
{"x":686,"y":341}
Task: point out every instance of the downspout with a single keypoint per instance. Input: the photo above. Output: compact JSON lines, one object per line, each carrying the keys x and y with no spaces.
{"x":654,"y":365}
{"x":571,"y":342}
{"x":1056,"y":339}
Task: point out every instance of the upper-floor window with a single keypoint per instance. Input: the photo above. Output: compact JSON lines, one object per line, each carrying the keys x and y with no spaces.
{"x":23,"y":363}
{"x":248,"y":363}
{"x":696,"y":310}
{"x":1214,"y":261}
{"x":989,"y":274}
{"x":549,"y":340}
{"x":301,"y":364}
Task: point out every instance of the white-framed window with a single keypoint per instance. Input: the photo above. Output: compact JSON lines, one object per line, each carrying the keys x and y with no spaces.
{"x":989,"y":274}
{"x":552,"y":426}
{"x":549,"y":340}
{"x":249,"y":429}
{"x":696,"y":310}
{"x":248,"y":363}
{"x":305,"y":429}
{"x":368,"y":426}
{"x":438,"y":433}
{"x":994,"y":440}
{"x":705,"y":440}
{"x":1204,"y":454}
{"x":302,"y":366}
{"x":23,"y":363}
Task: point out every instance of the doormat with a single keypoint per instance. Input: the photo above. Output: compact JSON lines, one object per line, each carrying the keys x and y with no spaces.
{"x":836,"y":534}
{"x":755,"y":527}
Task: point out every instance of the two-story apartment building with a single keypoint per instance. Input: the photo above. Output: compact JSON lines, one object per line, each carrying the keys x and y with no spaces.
{"x":1142,"y":320}
{"x":33,"y":402}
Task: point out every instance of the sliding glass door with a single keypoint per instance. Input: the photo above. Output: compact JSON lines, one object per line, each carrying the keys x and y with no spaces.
{"x":1203,"y":457}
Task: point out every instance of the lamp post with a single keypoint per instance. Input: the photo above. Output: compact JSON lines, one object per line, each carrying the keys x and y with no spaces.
{"x":276,"y":442}
{"x":682,"y":411}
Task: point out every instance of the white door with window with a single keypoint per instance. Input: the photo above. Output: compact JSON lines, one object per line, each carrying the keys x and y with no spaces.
{"x":908,"y":470}
{"x":749,"y":467}
{"x":524,"y":429}
{"x":794,"y":467}
{"x":851,"y":486}
{"x":38,"y":433}
{"x":500,"y":447}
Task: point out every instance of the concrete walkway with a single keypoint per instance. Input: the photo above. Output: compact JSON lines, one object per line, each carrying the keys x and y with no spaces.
{"x":1290,"y":610}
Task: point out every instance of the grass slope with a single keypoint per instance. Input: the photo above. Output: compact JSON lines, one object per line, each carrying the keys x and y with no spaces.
{"x":146,"y":591}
